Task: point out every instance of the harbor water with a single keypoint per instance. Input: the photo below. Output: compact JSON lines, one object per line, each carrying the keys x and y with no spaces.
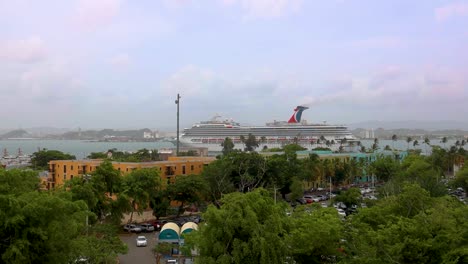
{"x":81,"y":148}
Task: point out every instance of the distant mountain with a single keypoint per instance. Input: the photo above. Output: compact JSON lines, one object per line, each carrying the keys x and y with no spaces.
{"x":104,"y":133}
{"x":18,"y":133}
{"x":412,"y":124}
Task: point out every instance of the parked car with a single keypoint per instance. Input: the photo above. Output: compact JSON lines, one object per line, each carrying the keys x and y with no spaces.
{"x":141,"y":241}
{"x":158,"y":224}
{"x":341,"y":212}
{"x":146,"y":227}
{"x":322,"y":197}
{"x":132,"y":228}
{"x":311,"y":199}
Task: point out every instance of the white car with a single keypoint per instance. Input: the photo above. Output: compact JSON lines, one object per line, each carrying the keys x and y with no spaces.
{"x":341,"y":212}
{"x":141,"y":241}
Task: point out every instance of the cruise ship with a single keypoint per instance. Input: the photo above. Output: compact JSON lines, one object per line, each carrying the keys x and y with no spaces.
{"x":212,"y":133}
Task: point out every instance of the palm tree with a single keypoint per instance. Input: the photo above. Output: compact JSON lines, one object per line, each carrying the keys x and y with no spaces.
{"x":375,"y":146}
{"x":343,"y":141}
{"x":322,"y":138}
{"x":463,"y":143}
{"x":444,"y":140}
{"x":363,"y":149}
{"x":408,"y":140}
{"x":427,"y":141}
{"x":318,"y":142}
{"x":394,"y":138}
{"x":415,"y":143}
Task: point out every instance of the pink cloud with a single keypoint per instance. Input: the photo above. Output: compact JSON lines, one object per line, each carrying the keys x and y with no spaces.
{"x":266,"y":8}
{"x":96,"y":13}
{"x":451,"y":10}
{"x":25,"y":51}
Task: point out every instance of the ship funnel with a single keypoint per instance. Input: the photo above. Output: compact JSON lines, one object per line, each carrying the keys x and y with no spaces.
{"x":296,"y":117}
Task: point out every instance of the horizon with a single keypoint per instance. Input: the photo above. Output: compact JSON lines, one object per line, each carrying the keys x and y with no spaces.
{"x":121,"y":63}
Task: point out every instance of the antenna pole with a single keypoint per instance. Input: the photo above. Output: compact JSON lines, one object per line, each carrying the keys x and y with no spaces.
{"x":177,"y":103}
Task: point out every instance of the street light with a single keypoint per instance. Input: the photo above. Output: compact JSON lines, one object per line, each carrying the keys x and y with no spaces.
{"x":177,"y":102}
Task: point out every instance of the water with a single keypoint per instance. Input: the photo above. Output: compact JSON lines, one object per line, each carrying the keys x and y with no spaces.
{"x":79,"y":148}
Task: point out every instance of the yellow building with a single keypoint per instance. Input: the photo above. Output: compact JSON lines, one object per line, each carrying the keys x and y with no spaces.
{"x":63,"y":170}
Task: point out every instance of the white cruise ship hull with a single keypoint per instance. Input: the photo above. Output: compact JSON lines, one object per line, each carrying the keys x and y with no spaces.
{"x":211,"y":134}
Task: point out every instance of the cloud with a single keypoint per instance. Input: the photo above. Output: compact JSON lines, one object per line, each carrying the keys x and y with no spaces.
{"x":377,"y":42}
{"x":266,"y":8}
{"x":451,"y":10}
{"x":28,"y":50}
{"x":91,"y":14}
{"x":395,"y":86}
{"x":121,"y":61}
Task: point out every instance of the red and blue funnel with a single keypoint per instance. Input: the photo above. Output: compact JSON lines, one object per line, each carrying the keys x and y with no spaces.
{"x":296,"y":117}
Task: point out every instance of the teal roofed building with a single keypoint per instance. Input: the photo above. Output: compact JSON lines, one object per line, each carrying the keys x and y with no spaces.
{"x":172,"y":233}
{"x":169,"y":233}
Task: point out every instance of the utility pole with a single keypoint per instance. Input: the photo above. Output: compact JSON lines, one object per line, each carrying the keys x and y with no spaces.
{"x":177,"y":103}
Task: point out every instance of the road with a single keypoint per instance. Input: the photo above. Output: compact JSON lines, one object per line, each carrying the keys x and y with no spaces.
{"x":142,"y":255}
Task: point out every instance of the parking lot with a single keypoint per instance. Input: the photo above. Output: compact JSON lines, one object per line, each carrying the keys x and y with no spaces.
{"x":142,"y":255}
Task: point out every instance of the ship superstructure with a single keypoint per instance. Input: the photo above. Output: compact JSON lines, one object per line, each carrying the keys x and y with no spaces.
{"x":212,"y":133}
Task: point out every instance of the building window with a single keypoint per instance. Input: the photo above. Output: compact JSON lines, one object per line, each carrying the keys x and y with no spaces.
{"x":64,"y":168}
{"x":119,"y":169}
{"x":191,"y":167}
{"x":183,"y":169}
{"x":71,"y":177}
{"x":71,"y":167}
{"x":64,"y":176}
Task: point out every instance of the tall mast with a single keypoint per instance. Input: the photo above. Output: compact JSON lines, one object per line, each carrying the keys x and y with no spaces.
{"x":177,"y":103}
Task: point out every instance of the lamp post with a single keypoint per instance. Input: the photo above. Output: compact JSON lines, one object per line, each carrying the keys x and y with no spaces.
{"x":177,"y":103}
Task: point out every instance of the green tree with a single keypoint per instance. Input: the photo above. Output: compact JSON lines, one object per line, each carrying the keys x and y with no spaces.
{"x":109,"y":176}
{"x":296,"y":189}
{"x":444,"y":141}
{"x":187,"y":190}
{"x":18,"y":181}
{"x":385,"y":167}
{"x":139,"y":185}
{"x":39,"y":228}
{"x":461,"y":179}
{"x":41,"y":158}
{"x":218,"y":179}
{"x":228,"y":146}
{"x":411,"y":227}
{"x":350,"y":197}
{"x":427,"y":142}
{"x":314,"y":237}
{"x":97,"y":155}
{"x":250,"y":143}
{"x":160,"y":203}
{"x":247,"y":228}
{"x":394,"y":139}
{"x":408,"y":140}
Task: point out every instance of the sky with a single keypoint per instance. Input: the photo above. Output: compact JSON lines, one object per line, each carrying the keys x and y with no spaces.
{"x":120,"y":63}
